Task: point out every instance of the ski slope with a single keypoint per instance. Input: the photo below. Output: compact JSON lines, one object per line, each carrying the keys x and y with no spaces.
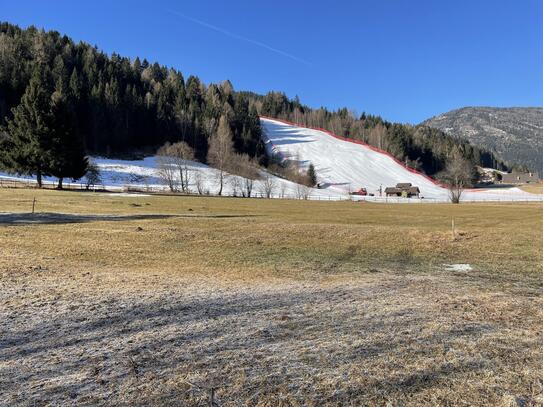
{"x":344,"y":165}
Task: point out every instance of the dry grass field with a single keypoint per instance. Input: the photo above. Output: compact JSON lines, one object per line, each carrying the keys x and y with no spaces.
{"x":533,"y":188}
{"x":155,"y":300}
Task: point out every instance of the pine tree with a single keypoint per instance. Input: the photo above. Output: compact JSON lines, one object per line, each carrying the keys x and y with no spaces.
{"x":75,"y":85}
{"x":27,"y":149}
{"x":312,"y":175}
{"x":67,"y":152}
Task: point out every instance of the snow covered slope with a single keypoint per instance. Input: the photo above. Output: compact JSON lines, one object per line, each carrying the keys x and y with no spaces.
{"x":344,"y":166}
{"x":143,"y":175}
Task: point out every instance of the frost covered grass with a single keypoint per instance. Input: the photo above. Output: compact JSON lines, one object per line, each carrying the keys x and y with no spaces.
{"x":153,"y":300}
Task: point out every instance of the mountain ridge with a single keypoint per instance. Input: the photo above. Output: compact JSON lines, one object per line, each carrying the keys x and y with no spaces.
{"x":514,"y":133}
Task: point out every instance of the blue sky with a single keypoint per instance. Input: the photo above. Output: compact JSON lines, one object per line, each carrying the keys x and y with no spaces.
{"x":405,"y":60}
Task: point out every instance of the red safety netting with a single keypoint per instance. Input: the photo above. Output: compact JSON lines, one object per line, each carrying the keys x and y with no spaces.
{"x":378,"y":150}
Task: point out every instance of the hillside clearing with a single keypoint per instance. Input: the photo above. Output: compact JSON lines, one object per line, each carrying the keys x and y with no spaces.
{"x":152,"y":300}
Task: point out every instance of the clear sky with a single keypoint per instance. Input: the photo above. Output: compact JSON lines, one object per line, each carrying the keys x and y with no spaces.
{"x":405,"y":60}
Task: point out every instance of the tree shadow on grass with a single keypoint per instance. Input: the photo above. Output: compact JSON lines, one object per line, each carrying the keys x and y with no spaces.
{"x":208,"y":334}
{"x":49,"y":218}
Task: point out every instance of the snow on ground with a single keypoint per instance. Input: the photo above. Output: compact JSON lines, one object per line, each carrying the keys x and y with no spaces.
{"x":458,"y":267}
{"x":341,"y":166}
{"x":143,"y":175}
{"x":344,"y":166}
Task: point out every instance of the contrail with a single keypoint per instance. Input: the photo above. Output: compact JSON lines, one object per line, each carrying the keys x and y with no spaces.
{"x":240,"y":37}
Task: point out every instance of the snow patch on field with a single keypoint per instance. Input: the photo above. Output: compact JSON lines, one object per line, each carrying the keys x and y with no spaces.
{"x":130,"y":194}
{"x":458,"y":267}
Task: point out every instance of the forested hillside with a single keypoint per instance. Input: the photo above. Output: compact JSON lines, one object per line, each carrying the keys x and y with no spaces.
{"x":111,"y":105}
{"x":515,"y":133}
{"x":122,"y":105}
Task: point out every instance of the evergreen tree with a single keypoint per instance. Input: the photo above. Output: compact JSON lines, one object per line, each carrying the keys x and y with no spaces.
{"x":76,"y":87}
{"x":67,"y":153}
{"x":312,"y":175}
{"x":27,"y":148}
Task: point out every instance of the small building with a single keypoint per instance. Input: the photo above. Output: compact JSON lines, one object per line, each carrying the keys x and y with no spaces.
{"x":520,"y":178}
{"x":393,"y":191}
{"x":403,"y":189}
{"x":403,"y":185}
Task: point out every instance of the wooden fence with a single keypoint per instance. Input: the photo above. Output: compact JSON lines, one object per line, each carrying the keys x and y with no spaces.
{"x":30,"y":183}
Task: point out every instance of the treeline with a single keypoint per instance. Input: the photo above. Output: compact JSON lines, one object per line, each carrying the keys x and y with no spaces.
{"x":93,"y":103}
{"x":123,"y":105}
{"x":420,"y":147}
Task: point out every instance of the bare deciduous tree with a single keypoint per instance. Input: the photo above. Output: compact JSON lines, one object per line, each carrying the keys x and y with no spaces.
{"x":268,"y":185}
{"x":199,"y":182}
{"x":173,"y":160}
{"x":236,"y":184}
{"x":167,"y":171}
{"x":183,"y":154}
{"x":304,"y":179}
{"x":248,"y":169}
{"x":282,"y":189}
{"x":458,"y":175}
{"x":377,"y":136}
{"x":302,"y":191}
{"x":221,"y":151}
{"x":248,"y":185}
